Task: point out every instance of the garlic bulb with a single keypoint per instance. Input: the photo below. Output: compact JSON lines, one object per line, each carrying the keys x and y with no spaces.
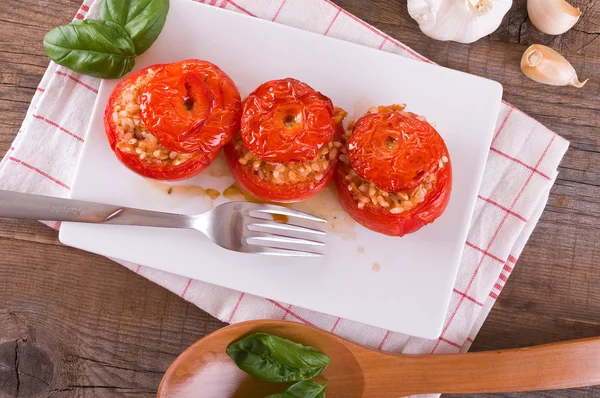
{"x":552,"y":17}
{"x":544,"y":65}
{"x":464,"y":21}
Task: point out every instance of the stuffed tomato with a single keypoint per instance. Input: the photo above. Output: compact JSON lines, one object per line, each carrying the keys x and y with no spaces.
{"x":169,"y":121}
{"x":395,"y":174}
{"x":289,"y":142}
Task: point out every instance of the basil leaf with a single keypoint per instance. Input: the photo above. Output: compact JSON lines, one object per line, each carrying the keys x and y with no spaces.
{"x":143,"y":20}
{"x":95,"y":48}
{"x":271,"y":358}
{"x":303,"y":389}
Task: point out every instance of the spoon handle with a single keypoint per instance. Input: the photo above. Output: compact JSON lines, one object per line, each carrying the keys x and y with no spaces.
{"x":568,"y":364}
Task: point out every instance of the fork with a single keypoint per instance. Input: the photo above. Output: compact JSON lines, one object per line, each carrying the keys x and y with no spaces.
{"x":239,"y":226}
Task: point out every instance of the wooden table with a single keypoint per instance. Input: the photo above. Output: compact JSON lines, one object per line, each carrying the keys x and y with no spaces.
{"x":74,"y":323}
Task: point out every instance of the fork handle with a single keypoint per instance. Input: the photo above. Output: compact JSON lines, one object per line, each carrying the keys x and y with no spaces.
{"x":35,"y":207}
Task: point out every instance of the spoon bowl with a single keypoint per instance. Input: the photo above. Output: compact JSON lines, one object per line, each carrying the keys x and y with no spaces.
{"x":205,"y":371}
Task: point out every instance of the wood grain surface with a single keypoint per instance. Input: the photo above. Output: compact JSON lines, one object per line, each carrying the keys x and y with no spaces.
{"x":76,"y":324}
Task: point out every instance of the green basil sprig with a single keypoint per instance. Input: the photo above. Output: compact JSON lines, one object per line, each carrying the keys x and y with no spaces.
{"x":143,"y":20}
{"x":92,"y":47}
{"x":273,"y":359}
{"x":106,"y":47}
{"x":303,"y":389}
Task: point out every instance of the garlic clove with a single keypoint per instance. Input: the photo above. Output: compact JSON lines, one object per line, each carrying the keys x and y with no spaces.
{"x":463,"y":21}
{"x":552,"y":17}
{"x":544,"y":65}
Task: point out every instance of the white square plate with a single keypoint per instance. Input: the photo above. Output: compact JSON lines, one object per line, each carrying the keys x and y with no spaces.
{"x":411,"y":290}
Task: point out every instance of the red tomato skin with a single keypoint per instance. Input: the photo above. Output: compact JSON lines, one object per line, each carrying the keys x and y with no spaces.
{"x":271,"y":192}
{"x":379,"y":219}
{"x":156,"y":171}
{"x":268,"y":109}
{"x":214,"y":129}
{"x":416,"y":154}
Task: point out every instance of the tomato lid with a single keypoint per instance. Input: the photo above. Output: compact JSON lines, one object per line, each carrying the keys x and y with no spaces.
{"x":394,"y":151}
{"x":286,"y":121}
{"x":191,"y":106}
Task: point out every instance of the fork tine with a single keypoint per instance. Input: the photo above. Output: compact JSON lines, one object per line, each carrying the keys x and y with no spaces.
{"x":255,"y":240}
{"x":271,"y":251}
{"x":284,"y":211}
{"x":265,"y":239}
{"x":255,"y":232}
{"x":283,"y":229}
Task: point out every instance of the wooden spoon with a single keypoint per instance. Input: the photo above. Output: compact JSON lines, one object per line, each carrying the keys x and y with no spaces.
{"x":205,"y":371}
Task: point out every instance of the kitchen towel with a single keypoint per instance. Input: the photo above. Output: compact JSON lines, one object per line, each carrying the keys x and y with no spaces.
{"x":520,"y":170}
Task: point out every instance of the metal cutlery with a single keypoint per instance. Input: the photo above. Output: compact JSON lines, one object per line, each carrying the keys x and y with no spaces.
{"x":239,"y":226}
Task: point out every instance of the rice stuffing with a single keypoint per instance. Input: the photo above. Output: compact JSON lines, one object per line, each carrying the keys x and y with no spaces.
{"x":133,"y":136}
